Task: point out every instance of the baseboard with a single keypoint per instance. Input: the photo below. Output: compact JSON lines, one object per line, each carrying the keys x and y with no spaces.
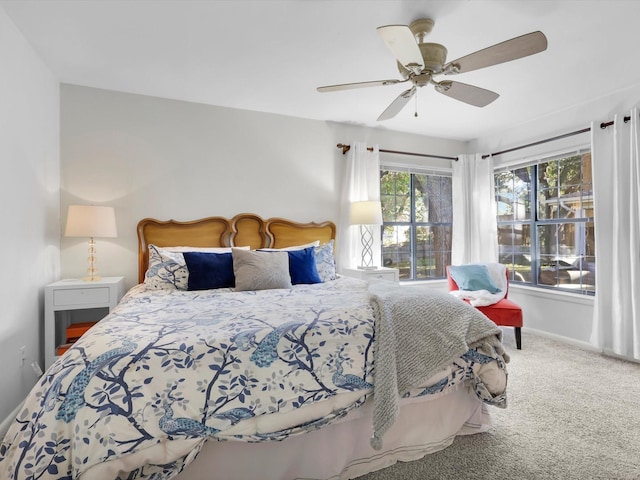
{"x":6,"y":423}
{"x":577,"y":343}
{"x":560,"y":338}
{"x":610,"y":353}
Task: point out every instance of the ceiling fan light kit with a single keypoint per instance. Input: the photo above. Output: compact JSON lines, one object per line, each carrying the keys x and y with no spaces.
{"x":419,"y":62}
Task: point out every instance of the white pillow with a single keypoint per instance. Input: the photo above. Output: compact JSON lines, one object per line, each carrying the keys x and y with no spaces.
{"x":203,"y":249}
{"x":293,"y":248}
{"x":175,"y":253}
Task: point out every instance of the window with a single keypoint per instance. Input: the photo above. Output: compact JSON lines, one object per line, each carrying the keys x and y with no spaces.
{"x":417,"y":216}
{"x":545,"y":223}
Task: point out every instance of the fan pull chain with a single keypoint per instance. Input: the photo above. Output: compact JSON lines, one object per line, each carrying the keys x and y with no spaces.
{"x":416,"y":105}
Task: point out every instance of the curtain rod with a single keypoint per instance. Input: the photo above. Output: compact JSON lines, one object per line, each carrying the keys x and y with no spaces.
{"x":603,"y":125}
{"x":346,"y":148}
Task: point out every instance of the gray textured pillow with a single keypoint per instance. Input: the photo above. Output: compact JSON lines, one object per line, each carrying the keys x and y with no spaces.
{"x":260,"y":270}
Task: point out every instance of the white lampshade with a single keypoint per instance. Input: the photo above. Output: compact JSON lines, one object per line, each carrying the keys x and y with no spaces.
{"x":90,"y":221}
{"x":366,"y":213}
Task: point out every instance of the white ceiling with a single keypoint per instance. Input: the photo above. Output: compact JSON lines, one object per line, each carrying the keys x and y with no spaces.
{"x":270,"y":55}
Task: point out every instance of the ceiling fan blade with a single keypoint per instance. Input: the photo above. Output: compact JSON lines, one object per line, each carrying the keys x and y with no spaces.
{"x":402,"y":44}
{"x":348,"y":86}
{"x":476,"y":96}
{"x":398,"y":104}
{"x":506,"y":51}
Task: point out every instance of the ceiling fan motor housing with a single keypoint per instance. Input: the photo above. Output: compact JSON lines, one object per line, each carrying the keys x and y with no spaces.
{"x":434,"y":57}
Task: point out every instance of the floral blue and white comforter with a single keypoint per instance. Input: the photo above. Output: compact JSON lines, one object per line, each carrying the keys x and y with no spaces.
{"x":138,"y":395}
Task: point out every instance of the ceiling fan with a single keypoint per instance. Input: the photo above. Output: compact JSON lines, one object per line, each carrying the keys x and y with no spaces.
{"x":419,"y":62}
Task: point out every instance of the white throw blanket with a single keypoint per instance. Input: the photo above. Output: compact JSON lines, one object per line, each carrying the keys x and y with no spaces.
{"x":482,"y":298}
{"x":418,"y":332}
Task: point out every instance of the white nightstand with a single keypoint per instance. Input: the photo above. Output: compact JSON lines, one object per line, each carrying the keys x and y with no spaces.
{"x":63,"y":296}
{"x":384,"y":273}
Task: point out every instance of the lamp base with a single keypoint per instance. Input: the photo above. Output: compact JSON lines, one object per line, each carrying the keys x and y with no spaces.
{"x":92,"y":259}
{"x":95,"y":278}
{"x":366,"y":238}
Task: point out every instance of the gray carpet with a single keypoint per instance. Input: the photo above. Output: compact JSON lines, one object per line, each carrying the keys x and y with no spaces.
{"x":572,"y":414}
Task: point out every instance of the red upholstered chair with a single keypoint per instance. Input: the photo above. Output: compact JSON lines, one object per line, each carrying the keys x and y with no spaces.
{"x":505,"y":313}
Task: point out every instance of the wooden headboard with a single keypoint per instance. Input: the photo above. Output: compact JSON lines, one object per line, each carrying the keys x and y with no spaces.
{"x":242,"y":230}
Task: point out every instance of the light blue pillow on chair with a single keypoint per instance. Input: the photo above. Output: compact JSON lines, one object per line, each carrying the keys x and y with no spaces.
{"x":473,"y":277}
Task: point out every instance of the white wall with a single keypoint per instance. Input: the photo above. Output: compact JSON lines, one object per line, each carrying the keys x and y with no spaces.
{"x":152,"y":157}
{"x":564,"y":315}
{"x":29,"y":199}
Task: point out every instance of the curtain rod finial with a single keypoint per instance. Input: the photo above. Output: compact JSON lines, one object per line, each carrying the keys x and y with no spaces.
{"x":345,"y":148}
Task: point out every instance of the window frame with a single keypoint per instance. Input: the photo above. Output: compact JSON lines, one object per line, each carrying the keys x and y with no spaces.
{"x":534,"y":221}
{"x":413,"y":224}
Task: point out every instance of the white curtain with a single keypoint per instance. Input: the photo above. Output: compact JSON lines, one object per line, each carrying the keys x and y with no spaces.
{"x":475,"y":230}
{"x":361,"y":182}
{"x":616,"y":187}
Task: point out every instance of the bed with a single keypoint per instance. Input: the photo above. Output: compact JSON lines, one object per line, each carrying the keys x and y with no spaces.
{"x":281,"y":370}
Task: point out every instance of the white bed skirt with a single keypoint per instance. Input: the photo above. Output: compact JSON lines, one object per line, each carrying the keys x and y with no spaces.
{"x":342,"y":450}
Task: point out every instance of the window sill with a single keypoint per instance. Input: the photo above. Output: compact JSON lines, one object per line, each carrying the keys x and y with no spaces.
{"x":430,"y":283}
{"x":543,"y":293}
{"x":553,"y":294}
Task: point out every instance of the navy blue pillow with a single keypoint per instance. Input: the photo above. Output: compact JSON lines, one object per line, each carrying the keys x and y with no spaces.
{"x":302,"y":266}
{"x":209,"y":270}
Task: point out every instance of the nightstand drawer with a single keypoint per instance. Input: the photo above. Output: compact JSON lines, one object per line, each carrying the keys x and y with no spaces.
{"x":380,"y":273}
{"x":391,"y":276}
{"x":81,"y":296}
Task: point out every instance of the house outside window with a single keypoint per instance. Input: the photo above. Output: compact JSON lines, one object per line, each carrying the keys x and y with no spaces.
{"x":546,"y":222}
{"x":417,"y":220}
